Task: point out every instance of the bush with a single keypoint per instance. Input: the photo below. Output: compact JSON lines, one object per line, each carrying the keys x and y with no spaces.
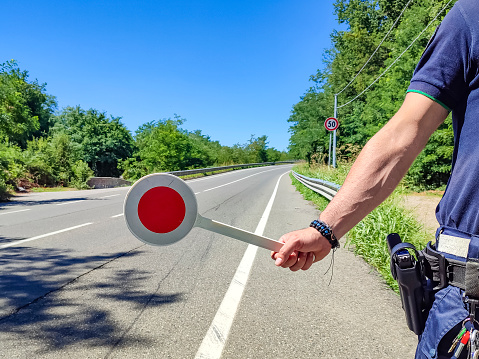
{"x":81,"y":174}
{"x":4,"y":192}
{"x":55,"y":161}
{"x":133,"y":168}
{"x":39,"y":163}
{"x":11,"y":168}
{"x":48,"y":161}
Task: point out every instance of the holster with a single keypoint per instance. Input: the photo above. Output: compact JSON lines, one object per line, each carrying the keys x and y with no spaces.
{"x":415,"y":289}
{"x":421,"y":274}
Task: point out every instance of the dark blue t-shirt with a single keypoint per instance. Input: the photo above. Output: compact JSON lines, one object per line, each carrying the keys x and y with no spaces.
{"x":448,"y":73}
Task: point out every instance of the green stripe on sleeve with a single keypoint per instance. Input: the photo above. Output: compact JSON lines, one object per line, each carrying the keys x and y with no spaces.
{"x":432,"y":98}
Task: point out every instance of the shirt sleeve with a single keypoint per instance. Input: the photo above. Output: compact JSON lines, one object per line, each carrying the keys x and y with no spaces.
{"x":441,"y":74}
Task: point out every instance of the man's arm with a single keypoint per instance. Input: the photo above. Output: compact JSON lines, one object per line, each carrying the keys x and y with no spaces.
{"x":379,"y":168}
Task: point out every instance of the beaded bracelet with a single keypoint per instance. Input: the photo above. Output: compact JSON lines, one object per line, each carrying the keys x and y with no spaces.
{"x":326,"y":232}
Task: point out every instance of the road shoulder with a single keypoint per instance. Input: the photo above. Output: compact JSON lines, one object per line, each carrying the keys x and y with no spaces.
{"x":311,"y":318}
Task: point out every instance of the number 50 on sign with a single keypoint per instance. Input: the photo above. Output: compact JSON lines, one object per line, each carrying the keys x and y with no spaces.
{"x":331,"y":124}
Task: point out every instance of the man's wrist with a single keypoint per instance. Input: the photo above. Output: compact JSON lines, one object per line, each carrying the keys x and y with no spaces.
{"x":326,"y":232}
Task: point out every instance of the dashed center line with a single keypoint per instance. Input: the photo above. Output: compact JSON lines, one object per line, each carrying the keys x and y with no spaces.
{"x":20,"y":210}
{"x":62,"y":204}
{"x":44,"y":235}
{"x":226,"y":184}
{"x":111,"y":195}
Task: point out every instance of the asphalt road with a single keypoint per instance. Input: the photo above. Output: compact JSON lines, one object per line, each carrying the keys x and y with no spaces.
{"x":75,"y":283}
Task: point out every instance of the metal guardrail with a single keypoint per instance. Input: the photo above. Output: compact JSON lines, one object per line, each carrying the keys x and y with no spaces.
{"x":213,"y":169}
{"x":325,"y":188}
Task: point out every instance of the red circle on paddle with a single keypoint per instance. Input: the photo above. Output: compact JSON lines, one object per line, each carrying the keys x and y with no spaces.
{"x":161,"y":209}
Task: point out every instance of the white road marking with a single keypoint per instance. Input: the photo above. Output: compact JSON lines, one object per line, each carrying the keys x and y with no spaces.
{"x":215,"y":339}
{"x":226,"y":184}
{"x":62,"y":204}
{"x":117,"y":215}
{"x":44,"y":235}
{"x":111,"y":195}
{"x":20,"y":210}
{"x":221,"y":174}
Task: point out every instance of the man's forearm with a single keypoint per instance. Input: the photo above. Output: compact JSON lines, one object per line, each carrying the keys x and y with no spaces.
{"x":373,"y":177}
{"x":383,"y":163}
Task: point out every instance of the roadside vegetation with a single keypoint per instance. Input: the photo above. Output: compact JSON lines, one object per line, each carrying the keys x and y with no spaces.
{"x":364,"y":106}
{"x":362,"y":113}
{"x":368,"y":238}
{"x":43,"y":146}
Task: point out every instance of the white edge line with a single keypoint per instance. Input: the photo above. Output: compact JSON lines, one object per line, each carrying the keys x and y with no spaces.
{"x":20,"y":210}
{"x":217,"y":334}
{"x":44,"y":235}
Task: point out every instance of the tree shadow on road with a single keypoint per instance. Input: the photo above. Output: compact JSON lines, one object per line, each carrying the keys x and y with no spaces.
{"x":8,"y":240}
{"x":29,"y":203}
{"x":52,"y":300}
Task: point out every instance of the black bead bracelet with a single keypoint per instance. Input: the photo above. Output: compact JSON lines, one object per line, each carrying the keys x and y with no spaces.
{"x":326,"y":232}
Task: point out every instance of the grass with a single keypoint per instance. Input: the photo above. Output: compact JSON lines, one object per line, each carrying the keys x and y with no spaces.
{"x":52,"y":189}
{"x":368,"y":238}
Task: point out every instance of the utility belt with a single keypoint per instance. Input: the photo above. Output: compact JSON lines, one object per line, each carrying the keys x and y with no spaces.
{"x":420,"y":274}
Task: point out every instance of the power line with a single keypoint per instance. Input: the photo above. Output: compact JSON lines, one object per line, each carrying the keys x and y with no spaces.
{"x":412,"y":43}
{"x":377,"y":48}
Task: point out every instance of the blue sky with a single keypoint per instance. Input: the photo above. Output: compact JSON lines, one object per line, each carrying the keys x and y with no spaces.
{"x":232,"y":69}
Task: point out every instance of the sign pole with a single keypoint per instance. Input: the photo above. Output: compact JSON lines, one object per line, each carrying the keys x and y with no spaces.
{"x":329,"y":157}
{"x":334,"y":133}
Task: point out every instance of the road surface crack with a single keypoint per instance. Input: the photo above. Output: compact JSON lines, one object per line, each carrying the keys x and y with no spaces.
{"x":36,"y":300}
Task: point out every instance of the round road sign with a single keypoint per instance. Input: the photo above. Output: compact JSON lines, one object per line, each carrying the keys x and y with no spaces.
{"x":331,"y":124}
{"x":160,"y":209}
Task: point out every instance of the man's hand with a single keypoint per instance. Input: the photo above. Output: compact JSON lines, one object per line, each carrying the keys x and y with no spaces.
{"x":301,"y":249}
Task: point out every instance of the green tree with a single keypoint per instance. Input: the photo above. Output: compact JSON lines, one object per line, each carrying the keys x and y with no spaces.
{"x":101,"y":141}
{"x":163,"y":146}
{"x":257,"y":149}
{"x":225,"y":156}
{"x":309,"y":139}
{"x":203,"y":151}
{"x":274,"y":155}
{"x":367,"y":101}
{"x":25,"y":108}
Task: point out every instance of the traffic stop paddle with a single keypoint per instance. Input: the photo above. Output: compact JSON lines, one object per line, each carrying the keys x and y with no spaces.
{"x":161,"y":209}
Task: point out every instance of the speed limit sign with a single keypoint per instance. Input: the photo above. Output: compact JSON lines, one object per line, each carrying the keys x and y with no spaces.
{"x":331,"y":124}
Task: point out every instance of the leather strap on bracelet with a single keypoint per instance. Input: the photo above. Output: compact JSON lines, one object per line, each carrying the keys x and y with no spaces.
{"x":326,"y":232}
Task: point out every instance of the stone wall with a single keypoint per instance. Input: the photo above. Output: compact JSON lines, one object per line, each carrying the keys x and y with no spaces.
{"x":107,"y":182}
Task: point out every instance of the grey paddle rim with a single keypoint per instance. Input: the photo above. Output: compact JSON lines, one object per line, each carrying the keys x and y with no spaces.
{"x":134,"y":196}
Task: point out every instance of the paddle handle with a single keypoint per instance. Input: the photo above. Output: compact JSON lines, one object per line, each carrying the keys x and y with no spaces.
{"x":238,"y":233}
